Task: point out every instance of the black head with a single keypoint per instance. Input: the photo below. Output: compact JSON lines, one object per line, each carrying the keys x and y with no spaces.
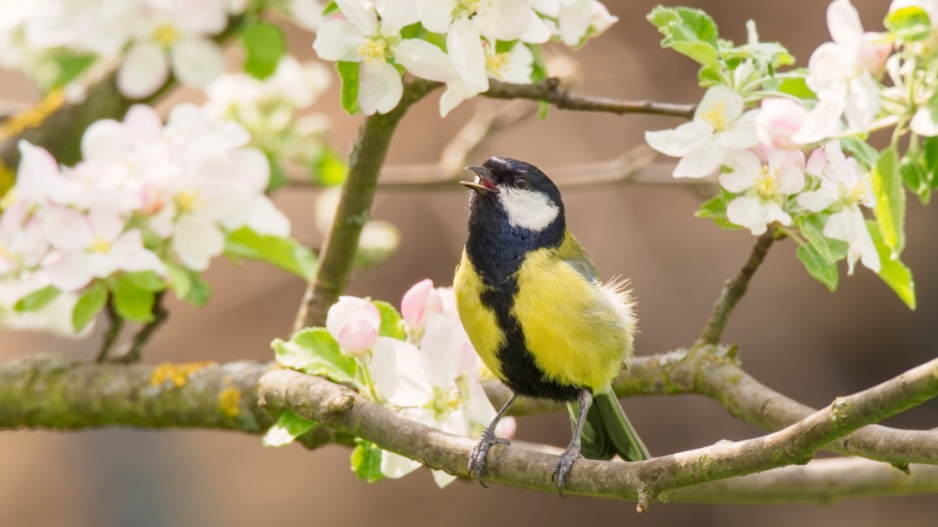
{"x":520,"y":191}
{"x":513,"y":210}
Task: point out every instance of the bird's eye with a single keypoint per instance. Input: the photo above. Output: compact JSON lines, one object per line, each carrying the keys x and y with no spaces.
{"x":521,"y":182}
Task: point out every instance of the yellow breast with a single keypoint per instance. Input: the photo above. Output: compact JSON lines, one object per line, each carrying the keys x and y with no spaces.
{"x":571,"y":327}
{"x":478,"y":320}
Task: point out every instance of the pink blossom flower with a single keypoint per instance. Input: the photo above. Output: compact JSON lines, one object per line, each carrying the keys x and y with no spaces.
{"x":421,"y":302}
{"x":777,"y":120}
{"x":353,"y":323}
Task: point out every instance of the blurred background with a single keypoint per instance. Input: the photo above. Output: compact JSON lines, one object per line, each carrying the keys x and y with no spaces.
{"x":794,"y":335}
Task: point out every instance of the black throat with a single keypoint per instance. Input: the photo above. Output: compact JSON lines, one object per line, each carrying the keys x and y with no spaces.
{"x":496,"y":250}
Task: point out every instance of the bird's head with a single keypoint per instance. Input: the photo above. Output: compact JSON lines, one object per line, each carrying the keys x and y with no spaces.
{"x":525,"y":195}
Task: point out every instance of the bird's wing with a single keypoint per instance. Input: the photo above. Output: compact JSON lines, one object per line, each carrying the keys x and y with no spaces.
{"x":572,"y":253}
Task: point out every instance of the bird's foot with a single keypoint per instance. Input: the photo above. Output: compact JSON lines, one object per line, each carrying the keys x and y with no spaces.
{"x":564,"y":464}
{"x":481,"y":451}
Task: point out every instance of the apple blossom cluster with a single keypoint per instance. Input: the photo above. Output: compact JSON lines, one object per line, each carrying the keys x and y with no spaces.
{"x":53,"y":41}
{"x":270,"y":110}
{"x":147,"y":208}
{"x":155,"y":37}
{"x":462,"y":43}
{"x":788,"y":148}
{"x":419,"y":363}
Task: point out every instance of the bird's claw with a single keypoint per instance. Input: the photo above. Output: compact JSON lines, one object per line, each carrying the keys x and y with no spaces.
{"x":563,"y":466}
{"x":481,"y":451}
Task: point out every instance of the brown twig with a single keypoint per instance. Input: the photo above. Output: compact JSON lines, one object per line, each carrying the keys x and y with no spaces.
{"x":115,"y":323}
{"x":160,"y":314}
{"x":551,"y":91}
{"x":734,"y":290}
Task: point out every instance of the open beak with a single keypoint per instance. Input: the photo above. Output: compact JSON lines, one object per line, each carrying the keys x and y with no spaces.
{"x":483,"y":184}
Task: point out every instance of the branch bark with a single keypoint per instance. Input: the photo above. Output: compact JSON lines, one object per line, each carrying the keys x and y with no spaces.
{"x":54,"y":392}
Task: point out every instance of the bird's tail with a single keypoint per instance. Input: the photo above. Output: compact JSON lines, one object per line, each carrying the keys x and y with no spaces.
{"x":608,"y":431}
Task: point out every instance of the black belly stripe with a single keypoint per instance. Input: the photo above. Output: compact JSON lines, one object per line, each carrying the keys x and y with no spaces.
{"x":518,"y":367}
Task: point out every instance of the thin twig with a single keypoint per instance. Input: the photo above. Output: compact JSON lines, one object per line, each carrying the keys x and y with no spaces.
{"x":160,"y":314}
{"x":734,"y":289}
{"x":115,"y":323}
{"x":551,"y":91}
{"x":338,"y":252}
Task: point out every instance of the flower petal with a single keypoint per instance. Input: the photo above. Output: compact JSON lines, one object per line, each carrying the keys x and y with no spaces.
{"x":821,"y":122}
{"x":197,"y":240}
{"x":397,"y":371}
{"x":702,"y":161}
{"x":197,"y":62}
{"x":144,"y":70}
{"x":436,"y":15}
{"x":339,"y":40}
{"x":464,"y":43}
{"x":745,"y":167}
{"x":679,"y":141}
{"x":749,"y":213}
{"x":380,"y":87}
{"x":424,"y":60}
{"x":844,"y":23}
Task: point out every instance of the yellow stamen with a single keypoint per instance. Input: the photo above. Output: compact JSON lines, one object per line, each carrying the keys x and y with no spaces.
{"x":715,"y":116}
{"x":766,"y":184}
{"x":165,"y":35}
{"x":187,"y":200}
{"x":496,"y":63}
{"x":858,"y":192}
{"x":100,"y":245}
{"x":374,"y":49}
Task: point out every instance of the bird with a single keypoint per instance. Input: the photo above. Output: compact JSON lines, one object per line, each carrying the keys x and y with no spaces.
{"x":539,"y":316}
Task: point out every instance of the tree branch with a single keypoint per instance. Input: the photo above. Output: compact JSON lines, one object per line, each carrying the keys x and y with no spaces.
{"x":63,"y":394}
{"x":551,"y":91}
{"x":734,"y":289}
{"x":365,"y":161}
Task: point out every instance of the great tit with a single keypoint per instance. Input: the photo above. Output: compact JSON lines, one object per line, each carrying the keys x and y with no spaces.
{"x":538,"y":314}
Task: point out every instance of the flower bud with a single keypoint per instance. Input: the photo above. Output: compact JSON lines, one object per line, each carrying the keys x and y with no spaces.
{"x":777,"y":120}
{"x":874,"y":51}
{"x":421,"y":302}
{"x":353,"y":323}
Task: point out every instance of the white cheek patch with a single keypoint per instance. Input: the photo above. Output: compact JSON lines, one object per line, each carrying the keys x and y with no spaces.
{"x":527,"y":209}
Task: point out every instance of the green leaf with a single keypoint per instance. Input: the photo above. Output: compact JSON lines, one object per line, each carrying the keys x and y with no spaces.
{"x":70,"y":65}
{"x":796,"y":86}
{"x":188,"y":285}
{"x":330,"y":9}
{"x":89,"y":304}
{"x":865,"y":154}
{"x":278,"y":178}
{"x":896,"y":275}
{"x":36,"y":300}
{"x":348,"y":74}
{"x":264,"y":44}
{"x":392,"y":325}
{"x":915,"y":176}
{"x":131,"y":301}
{"x":288,"y":427}
{"x":330,"y":169}
{"x":314,"y":351}
{"x":366,"y":461}
{"x":909,"y":23}
{"x":817,"y":266}
{"x":146,"y":280}
{"x":812,"y":227}
{"x":890,"y":200}
{"x":688,"y":31}
{"x":285,"y":253}
{"x":715,"y":208}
